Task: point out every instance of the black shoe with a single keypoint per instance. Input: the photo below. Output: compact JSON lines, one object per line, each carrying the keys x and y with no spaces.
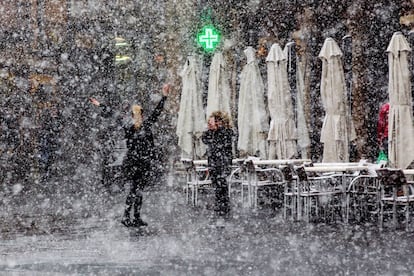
{"x":138,"y":223}
{"x":126,"y":222}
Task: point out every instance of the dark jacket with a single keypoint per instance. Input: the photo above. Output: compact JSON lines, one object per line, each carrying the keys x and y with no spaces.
{"x":219,"y":150}
{"x":141,"y":150}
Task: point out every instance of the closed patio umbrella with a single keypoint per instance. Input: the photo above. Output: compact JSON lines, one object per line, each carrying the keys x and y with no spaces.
{"x":302,"y":128}
{"x":252,"y":117}
{"x":191,"y":117}
{"x":218,"y":86}
{"x":282,"y":132}
{"x":400,"y":120}
{"x":337,"y":129}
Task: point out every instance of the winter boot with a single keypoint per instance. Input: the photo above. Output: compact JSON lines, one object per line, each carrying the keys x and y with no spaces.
{"x":126,"y":220}
{"x":138,"y":222}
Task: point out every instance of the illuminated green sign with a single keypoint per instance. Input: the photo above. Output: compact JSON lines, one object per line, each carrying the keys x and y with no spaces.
{"x":208,"y":38}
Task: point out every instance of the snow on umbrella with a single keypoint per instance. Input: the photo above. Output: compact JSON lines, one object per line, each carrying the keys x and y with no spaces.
{"x":252,"y":116}
{"x":282,"y":132}
{"x":218,"y":86}
{"x":337,"y":129}
{"x":400,"y":121}
{"x":191,"y":118}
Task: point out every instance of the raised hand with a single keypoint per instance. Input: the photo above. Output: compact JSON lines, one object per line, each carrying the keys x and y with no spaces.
{"x":94,"y":101}
{"x":166,"y":89}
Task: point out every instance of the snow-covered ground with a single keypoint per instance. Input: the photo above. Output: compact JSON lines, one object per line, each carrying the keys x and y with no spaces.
{"x":183,"y":240}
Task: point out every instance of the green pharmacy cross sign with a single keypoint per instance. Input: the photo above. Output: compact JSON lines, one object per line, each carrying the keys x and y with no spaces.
{"x":208,"y":38}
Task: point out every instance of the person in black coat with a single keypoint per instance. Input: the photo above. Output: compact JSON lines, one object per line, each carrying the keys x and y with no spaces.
{"x":140,"y":152}
{"x":219,"y":139}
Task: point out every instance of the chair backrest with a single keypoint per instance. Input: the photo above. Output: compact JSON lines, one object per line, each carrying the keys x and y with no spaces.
{"x":300,"y":171}
{"x":188,"y":164}
{"x":363,"y":184}
{"x":393,"y":183}
{"x":195,"y":172}
{"x":250,"y":166}
{"x":391,"y":177}
{"x":287,"y":173}
{"x":274,"y":175}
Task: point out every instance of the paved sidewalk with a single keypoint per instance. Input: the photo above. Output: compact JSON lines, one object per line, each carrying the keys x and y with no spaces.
{"x":183,"y":240}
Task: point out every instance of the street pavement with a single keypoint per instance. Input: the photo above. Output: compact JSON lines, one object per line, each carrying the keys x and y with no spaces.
{"x":186,"y":240}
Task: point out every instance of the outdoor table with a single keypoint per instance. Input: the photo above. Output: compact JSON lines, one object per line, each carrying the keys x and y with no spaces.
{"x":334,"y":164}
{"x":409,"y":172}
{"x":336,"y":169}
{"x":200,"y":162}
{"x":204,"y":162}
{"x":342,"y":174}
{"x":280,"y":162}
{"x":275,"y":162}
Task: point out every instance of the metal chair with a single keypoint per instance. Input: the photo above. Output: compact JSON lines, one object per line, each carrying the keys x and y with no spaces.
{"x":362,"y":197}
{"x":290,"y":193}
{"x":197,"y":178}
{"x":316,"y":191}
{"x":257,"y":178}
{"x":395,"y":192}
{"x":237,"y":175}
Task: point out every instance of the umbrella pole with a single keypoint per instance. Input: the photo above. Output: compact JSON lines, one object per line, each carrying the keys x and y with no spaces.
{"x":194,"y":154}
{"x":347,"y":64}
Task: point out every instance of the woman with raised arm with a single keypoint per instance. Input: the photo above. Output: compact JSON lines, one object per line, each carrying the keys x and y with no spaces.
{"x":140,"y":152}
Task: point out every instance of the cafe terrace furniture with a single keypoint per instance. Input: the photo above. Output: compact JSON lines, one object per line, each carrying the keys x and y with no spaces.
{"x":396,"y":193}
{"x":197,"y":178}
{"x":362,"y":198}
{"x":290,"y":192}
{"x":315,"y":192}
{"x":327,"y":184}
{"x":259,"y":178}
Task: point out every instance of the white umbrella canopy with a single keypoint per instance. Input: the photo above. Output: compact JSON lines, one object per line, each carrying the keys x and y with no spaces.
{"x":252,"y":119}
{"x":282,"y":132}
{"x":191,"y":117}
{"x":218,"y":86}
{"x":302,"y":128}
{"x":337,"y":129}
{"x":400,"y":120}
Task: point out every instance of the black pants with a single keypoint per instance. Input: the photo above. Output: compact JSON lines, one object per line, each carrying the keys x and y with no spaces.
{"x":134,"y":199}
{"x":222,"y":204}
